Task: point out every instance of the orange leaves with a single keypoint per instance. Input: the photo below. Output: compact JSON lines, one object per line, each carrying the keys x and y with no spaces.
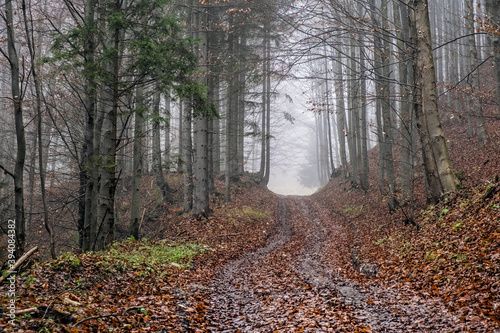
{"x":465,"y":298}
{"x":148,"y":298}
{"x":453,"y":257}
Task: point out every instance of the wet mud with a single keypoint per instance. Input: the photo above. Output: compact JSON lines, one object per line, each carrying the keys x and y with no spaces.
{"x":304,"y":280}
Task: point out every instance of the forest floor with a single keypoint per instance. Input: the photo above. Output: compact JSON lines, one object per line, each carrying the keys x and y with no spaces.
{"x":336,"y":261}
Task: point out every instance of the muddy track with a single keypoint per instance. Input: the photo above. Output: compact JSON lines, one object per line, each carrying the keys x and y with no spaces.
{"x":300,"y":281}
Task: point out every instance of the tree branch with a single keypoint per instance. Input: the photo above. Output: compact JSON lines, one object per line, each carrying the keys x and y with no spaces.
{"x":7,"y":171}
{"x":18,"y":263}
{"x":96,"y":317}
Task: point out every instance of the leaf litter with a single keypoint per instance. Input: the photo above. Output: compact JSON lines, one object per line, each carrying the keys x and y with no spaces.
{"x":290,"y":264}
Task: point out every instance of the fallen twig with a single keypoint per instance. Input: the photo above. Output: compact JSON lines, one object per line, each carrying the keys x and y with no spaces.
{"x":18,"y":263}
{"x":63,"y":317}
{"x":96,"y":317}
{"x":142,"y":218}
{"x":489,"y":193}
{"x":71,"y":302}
{"x":23,"y":311}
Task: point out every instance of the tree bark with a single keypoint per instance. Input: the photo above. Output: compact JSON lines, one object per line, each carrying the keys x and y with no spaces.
{"x":157,"y":158}
{"x":482,"y":134}
{"x":493,"y":10}
{"x":187,"y":157}
{"x":135,"y":202}
{"x":110,"y":96}
{"x":340,"y":111}
{"x":363,"y":136}
{"x":407,"y":125}
{"x":351,"y":116}
{"x":241,"y":88}
{"x":263,"y":150}
{"x":38,"y":106}
{"x":267,"y":173}
{"x":167,"y":159}
{"x":386,"y":109}
{"x":437,"y":162}
{"x":88,"y":168}
{"x":201,"y":189}
{"x":20,"y":135}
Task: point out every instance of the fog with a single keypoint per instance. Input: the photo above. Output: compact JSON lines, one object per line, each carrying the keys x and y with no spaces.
{"x":288,"y":185}
{"x":292,"y":166}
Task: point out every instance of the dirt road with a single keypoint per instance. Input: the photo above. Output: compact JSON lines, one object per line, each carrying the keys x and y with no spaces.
{"x":304,"y":280}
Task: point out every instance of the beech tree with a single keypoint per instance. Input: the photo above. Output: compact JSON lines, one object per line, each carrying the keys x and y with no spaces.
{"x":442,"y":180}
{"x":378,"y":57}
{"x":475,"y":84}
{"x":493,"y":10}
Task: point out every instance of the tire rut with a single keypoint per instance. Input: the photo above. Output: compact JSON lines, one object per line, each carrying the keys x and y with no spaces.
{"x":383,"y":310}
{"x":233,"y":297}
{"x":297,"y":281}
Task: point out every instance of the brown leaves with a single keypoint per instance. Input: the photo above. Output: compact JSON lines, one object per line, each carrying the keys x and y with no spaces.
{"x":101,"y":293}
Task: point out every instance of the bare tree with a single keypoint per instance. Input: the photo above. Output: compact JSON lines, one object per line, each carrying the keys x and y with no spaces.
{"x":436,"y":158}
{"x":475,"y":84}
{"x":17,"y":102}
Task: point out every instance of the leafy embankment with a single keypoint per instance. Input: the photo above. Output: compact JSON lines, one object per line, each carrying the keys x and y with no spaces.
{"x":455,"y":256}
{"x":144,"y":285}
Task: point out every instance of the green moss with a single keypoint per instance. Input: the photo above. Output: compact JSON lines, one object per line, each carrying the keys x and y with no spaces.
{"x":252,"y":213}
{"x":150,"y":255}
{"x":353,"y":210}
{"x":457,"y":226}
{"x":430,"y":255}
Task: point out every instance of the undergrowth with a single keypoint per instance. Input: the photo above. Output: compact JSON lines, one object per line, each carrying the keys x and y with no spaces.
{"x":456,"y":254}
{"x":135,"y":255}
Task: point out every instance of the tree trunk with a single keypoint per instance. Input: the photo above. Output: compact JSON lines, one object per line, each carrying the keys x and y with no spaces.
{"x":201,"y":188}
{"x":135,"y":202}
{"x":401,"y":22}
{"x":31,"y":181}
{"x":493,"y":9}
{"x":232,"y":118}
{"x":386,"y":108}
{"x":20,"y":136}
{"x":214,"y":132}
{"x":187,"y":157}
{"x":340,"y":111}
{"x":328,"y":111}
{"x":437,"y":162}
{"x":241,"y":88}
{"x":89,"y":170}
{"x":157,"y":160}
{"x":38,"y":106}
{"x":482,"y":135}
{"x":363,"y":137}
{"x":267,"y":173}
{"x":167,"y":144}
{"x":352,"y":93}
{"x":201,"y":163}
{"x":110,"y":97}
{"x":263,"y":150}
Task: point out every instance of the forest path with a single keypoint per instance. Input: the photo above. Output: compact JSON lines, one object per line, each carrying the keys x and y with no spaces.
{"x":299,"y":282}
